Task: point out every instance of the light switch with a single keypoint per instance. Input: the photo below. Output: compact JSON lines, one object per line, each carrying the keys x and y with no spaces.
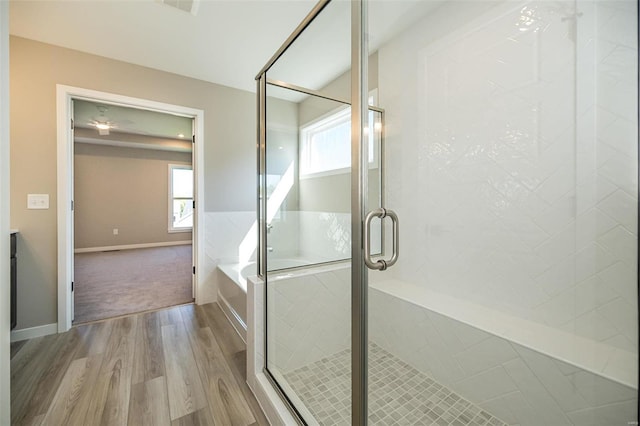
{"x":37,"y":201}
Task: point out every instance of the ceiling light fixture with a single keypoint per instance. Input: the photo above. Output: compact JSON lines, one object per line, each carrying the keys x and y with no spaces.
{"x":103,"y":128}
{"x":181,"y":135}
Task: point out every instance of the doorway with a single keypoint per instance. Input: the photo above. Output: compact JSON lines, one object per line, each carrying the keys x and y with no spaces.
{"x":133,"y":210}
{"x":100,"y":154}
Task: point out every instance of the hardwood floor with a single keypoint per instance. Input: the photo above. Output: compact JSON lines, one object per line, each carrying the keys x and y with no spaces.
{"x":178,"y":366}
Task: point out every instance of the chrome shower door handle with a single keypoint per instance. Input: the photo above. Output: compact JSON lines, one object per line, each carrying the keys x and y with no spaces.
{"x":380,"y":264}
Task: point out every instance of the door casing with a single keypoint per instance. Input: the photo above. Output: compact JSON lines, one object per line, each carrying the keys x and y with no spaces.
{"x":64,"y":96}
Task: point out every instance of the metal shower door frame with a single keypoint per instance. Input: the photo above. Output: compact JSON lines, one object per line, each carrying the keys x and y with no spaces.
{"x":359,"y":192}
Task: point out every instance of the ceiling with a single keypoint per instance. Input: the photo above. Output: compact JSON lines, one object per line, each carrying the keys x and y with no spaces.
{"x":131,"y":120}
{"x":225,"y":42}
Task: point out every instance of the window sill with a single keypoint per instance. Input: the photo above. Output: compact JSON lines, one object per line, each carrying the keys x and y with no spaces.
{"x":342,"y":171}
{"x":180,"y":230}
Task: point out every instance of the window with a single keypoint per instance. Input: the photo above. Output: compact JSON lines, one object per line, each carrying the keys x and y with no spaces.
{"x":180,"y":198}
{"x":325,"y":144}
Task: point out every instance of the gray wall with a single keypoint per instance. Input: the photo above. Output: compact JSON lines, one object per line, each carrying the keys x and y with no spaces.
{"x":36,"y":68}
{"x":123,"y":188}
{"x":282,"y":143}
{"x":333,"y":193}
{"x":282,"y":153}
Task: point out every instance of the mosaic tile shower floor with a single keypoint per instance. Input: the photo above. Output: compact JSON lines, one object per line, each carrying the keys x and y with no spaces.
{"x":399,"y":394}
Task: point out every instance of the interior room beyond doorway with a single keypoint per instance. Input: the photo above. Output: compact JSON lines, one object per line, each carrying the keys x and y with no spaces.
{"x":133,"y":213}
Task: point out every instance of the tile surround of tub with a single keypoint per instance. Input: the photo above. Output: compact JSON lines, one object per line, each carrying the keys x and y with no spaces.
{"x":527,"y":201}
{"x":325,"y":236}
{"x":224,"y":232}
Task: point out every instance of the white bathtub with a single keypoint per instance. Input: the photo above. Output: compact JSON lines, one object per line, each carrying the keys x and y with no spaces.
{"x":232,"y":288}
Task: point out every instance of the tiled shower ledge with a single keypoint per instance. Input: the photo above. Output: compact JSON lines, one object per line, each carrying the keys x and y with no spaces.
{"x":399,"y":394}
{"x":604,"y":360}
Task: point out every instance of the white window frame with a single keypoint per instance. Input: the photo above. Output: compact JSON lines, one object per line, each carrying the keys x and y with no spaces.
{"x":333,"y":118}
{"x":171,"y":228}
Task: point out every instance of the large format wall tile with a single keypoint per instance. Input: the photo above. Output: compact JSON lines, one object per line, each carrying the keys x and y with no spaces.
{"x":224,"y":233}
{"x":512,"y":161}
{"x":309,"y":317}
{"x":517,"y":384}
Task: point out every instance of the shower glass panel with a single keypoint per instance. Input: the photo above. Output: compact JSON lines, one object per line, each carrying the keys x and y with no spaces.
{"x":307,"y":230}
{"x":309,"y":245}
{"x":511,"y":161}
{"x":308,"y":307}
{"x":320,"y":58}
{"x":504,"y":136}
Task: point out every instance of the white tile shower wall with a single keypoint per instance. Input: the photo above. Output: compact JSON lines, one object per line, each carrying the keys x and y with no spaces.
{"x":516,"y":384}
{"x":309,"y":317}
{"x":224,"y":232}
{"x":283,"y":236}
{"x":616,"y":169}
{"x":324,"y":236}
{"x":524,"y":205}
{"x":255,"y":329}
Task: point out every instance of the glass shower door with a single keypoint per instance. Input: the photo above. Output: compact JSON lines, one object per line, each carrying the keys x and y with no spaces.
{"x":511,"y":161}
{"x":306,"y":219}
{"x":501,"y":139}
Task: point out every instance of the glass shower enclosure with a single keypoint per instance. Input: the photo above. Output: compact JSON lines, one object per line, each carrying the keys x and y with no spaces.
{"x":448,"y":208}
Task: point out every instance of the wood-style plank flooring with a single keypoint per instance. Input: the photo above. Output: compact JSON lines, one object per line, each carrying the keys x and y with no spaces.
{"x":179,"y":366}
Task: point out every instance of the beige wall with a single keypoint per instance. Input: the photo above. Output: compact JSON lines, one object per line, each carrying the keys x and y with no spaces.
{"x":36,"y":68}
{"x":123,"y":188}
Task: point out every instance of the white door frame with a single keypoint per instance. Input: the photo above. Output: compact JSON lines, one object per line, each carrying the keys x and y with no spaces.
{"x":65,"y":184}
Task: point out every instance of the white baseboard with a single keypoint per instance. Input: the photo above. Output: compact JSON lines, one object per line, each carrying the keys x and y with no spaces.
{"x":233,"y":317}
{"x":33,"y":332}
{"x":131,"y":246}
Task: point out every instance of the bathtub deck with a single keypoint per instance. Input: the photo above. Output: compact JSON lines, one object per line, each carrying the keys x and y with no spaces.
{"x":399,"y":393}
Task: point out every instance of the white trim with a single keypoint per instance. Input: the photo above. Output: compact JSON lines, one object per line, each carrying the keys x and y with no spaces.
{"x":233,"y":317}
{"x":293,"y":397}
{"x":5,"y":375}
{"x":64,"y":95}
{"x":179,"y":230}
{"x":33,"y":332}
{"x":332,"y":172}
{"x":270,"y":401}
{"x":132,"y":246}
{"x":197,"y":163}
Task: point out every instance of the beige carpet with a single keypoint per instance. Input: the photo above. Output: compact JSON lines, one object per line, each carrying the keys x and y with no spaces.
{"x":109,"y":284}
